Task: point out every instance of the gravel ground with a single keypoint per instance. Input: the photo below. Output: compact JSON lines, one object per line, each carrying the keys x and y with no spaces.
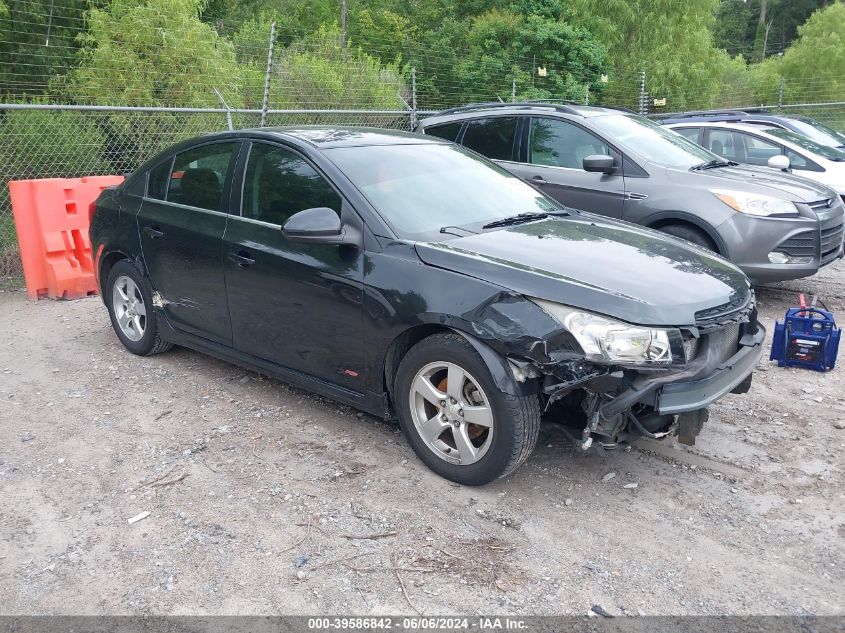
{"x":264,"y":499}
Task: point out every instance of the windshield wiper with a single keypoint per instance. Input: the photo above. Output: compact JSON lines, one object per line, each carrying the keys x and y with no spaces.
{"x":712,"y":164}
{"x":521,"y":218}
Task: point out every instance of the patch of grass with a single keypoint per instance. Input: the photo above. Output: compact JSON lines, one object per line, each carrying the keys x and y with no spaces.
{"x":10,"y":259}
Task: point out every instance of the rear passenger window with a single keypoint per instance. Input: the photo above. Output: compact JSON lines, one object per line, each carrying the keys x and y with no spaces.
{"x":198,"y":176}
{"x":278,"y":183}
{"x":492,"y":138}
{"x":159,"y":177}
{"x":447,"y":131}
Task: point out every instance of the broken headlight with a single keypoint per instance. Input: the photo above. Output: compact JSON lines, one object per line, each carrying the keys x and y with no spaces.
{"x":606,"y":340}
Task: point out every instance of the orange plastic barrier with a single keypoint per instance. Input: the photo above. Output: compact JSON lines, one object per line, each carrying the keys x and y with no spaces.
{"x":51,"y":217}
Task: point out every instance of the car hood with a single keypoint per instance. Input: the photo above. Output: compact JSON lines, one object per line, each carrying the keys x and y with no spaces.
{"x":601,"y":265}
{"x":764,"y":180}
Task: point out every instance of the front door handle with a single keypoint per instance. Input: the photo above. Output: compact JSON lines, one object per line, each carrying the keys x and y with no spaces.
{"x":153,"y":232}
{"x":538,"y":180}
{"x":242,"y":259}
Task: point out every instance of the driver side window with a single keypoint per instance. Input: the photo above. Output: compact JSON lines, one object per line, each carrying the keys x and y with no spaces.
{"x":558,"y":143}
{"x":278,"y":183}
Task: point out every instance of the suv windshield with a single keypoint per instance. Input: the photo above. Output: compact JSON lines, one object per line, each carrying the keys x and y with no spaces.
{"x":420,"y":188}
{"x":831,"y":153}
{"x":819,"y":132}
{"x":651,"y":141}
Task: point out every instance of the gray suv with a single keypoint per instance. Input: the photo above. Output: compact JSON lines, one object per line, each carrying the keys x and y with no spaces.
{"x":773,"y":225}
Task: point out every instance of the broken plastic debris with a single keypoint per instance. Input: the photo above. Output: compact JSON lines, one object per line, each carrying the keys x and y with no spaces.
{"x":138,"y":517}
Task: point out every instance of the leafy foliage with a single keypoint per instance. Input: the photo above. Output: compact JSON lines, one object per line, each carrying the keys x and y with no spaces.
{"x":153,"y":53}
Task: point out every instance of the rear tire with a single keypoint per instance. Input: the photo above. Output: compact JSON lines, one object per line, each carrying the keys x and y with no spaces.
{"x":456,"y":419}
{"x":130,"y":304}
{"x":690,"y":234}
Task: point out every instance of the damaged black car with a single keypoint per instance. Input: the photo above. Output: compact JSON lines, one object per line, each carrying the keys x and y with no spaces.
{"x":412,"y":278}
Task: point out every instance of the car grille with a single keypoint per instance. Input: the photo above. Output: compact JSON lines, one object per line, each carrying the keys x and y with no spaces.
{"x":831,"y":243}
{"x":721,"y":344}
{"x":821,"y":204}
{"x":691,"y":345}
{"x":801,"y":245}
{"x":737,"y":310}
{"x":726,"y":341}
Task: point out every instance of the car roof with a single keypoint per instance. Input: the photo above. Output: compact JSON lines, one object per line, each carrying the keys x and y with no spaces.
{"x":326,"y":136}
{"x":522,"y":107}
{"x":734,"y":125}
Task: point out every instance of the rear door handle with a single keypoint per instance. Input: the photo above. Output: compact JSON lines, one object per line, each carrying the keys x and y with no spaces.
{"x":154,"y":233}
{"x":539,"y":180}
{"x":242,"y":259}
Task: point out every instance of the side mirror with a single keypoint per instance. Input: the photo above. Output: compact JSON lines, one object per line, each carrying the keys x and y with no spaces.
{"x":601,"y":163}
{"x":779,"y":161}
{"x":318,"y":225}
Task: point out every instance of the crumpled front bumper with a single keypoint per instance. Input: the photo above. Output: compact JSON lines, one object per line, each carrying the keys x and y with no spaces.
{"x":679,"y":397}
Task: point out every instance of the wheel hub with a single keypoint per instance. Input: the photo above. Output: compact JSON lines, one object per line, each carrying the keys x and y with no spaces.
{"x":451,"y":413}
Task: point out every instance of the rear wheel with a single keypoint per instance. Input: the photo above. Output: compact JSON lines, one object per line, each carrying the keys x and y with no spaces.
{"x":690,"y":234}
{"x":456,"y":419}
{"x":131,"y":310}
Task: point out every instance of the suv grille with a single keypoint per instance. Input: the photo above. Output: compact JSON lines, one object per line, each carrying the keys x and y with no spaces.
{"x":801,"y":245}
{"x":831,"y":243}
{"x":821,"y":204}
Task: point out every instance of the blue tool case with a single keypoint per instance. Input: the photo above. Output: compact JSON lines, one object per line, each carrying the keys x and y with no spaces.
{"x":808,"y":337}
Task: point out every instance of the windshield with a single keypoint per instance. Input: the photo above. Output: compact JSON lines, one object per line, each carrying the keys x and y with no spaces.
{"x":423,"y":187}
{"x":651,"y":141}
{"x":831,"y":153}
{"x":819,"y":132}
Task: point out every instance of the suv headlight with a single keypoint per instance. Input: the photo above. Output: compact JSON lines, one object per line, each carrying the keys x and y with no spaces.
{"x":608,"y":340}
{"x":755,"y":203}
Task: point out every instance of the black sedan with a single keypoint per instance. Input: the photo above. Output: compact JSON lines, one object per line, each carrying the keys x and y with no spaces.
{"x":407,"y":276}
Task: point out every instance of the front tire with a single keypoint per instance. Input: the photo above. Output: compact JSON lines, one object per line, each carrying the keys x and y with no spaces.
{"x":690,"y":234}
{"x":130,"y":306}
{"x":456,"y":419}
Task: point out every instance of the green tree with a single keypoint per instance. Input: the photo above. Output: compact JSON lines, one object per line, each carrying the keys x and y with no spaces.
{"x":731,"y":26}
{"x":479,"y":58}
{"x":813,"y":68}
{"x":156,"y":52}
{"x":670,"y":41}
{"x":37,"y":41}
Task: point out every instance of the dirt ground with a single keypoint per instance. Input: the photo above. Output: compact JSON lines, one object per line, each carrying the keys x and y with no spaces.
{"x":263,"y":499}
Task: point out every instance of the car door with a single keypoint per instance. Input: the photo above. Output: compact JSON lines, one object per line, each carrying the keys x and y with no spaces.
{"x":181,"y":223}
{"x":294,"y":304}
{"x":556,"y":149}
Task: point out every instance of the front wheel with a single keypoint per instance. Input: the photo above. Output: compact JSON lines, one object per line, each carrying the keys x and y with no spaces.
{"x":690,"y":234}
{"x":131,"y":310}
{"x":455,"y":417}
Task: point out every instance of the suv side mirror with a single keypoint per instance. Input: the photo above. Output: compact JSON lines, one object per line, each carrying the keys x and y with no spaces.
{"x":601,"y":163}
{"x":318,"y":225}
{"x":779,"y":161}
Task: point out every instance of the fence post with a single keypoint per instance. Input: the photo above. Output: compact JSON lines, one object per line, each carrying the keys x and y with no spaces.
{"x":265,"y":104}
{"x":643,"y":96}
{"x":228,"y":110}
{"x":513,"y":90}
{"x":780,"y":94}
{"x":586,"y":95}
{"x":413,"y":98}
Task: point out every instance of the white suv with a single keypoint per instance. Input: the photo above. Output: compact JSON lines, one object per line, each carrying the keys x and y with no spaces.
{"x":769,"y":146}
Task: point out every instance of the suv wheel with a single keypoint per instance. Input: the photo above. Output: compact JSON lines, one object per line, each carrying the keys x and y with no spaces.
{"x":456,"y":419}
{"x":131,"y":310}
{"x":690,"y":234}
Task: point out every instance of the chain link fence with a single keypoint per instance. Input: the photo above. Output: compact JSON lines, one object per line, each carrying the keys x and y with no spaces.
{"x":73,"y":141}
{"x":68,"y":141}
